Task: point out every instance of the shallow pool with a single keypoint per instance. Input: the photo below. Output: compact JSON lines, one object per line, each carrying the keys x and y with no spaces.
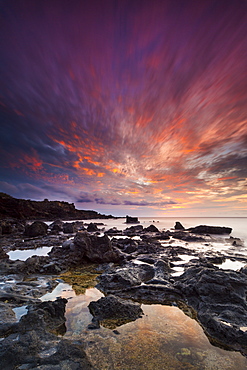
{"x":164,"y":338}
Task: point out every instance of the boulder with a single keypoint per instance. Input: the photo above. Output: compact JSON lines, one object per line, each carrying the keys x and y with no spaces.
{"x":92,"y":227}
{"x":113,"y":231}
{"x":37,"y":228}
{"x":151,"y":229}
{"x":204,"y":229}
{"x":68,"y":228}
{"x":57,"y":226}
{"x":133,"y":230}
{"x":178,"y":226}
{"x":132,"y":220}
{"x":113,"y":311}
{"x":95,"y":249}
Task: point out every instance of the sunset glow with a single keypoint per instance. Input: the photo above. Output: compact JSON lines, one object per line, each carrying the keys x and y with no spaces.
{"x":125,"y":106}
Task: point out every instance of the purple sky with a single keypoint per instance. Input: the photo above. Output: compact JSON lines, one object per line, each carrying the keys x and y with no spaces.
{"x":126,"y":107}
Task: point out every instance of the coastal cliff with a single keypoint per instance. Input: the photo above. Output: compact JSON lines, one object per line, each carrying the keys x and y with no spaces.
{"x":23,"y":209}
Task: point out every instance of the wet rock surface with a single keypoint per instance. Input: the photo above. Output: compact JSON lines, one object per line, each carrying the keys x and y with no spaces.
{"x":31,"y":344}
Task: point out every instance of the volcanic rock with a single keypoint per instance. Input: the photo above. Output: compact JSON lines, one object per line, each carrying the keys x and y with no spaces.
{"x":30,"y":343}
{"x":95,"y":248}
{"x":57,"y":225}
{"x":219,"y":297}
{"x":68,"y":228}
{"x":92,"y":227}
{"x":121,"y":278}
{"x":204,"y":229}
{"x":132,"y":220}
{"x":178,"y":226}
{"x":113,"y":311}
{"x":151,"y":229}
{"x":37,"y":228}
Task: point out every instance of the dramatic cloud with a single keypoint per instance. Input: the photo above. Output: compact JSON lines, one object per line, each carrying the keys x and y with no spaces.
{"x":117,"y":104}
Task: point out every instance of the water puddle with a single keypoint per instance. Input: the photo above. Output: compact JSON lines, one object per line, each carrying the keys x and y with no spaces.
{"x":23,"y":255}
{"x":231,"y":265}
{"x":20,"y":311}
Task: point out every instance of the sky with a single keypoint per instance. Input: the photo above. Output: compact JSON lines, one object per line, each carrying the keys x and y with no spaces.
{"x":132,"y":107}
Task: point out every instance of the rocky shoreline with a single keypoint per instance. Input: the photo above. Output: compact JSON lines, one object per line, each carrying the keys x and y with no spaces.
{"x":137,"y":265}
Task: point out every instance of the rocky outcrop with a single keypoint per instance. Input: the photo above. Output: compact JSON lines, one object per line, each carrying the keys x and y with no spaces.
{"x":152,"y":229}
{"x":178,"y":226}
{"x":96,"y":249}
{"x":122,"y":278}
{"x":219,"y":297}
{"x":113,"y":311}
{"x":82,"y":249}
{"x":92,"y":227}
{"x":68,"y":228}
{"x":204,"y":229}
{"x":37,"y":228}
{"x":132,"y":220}
{"x":43,"y":210}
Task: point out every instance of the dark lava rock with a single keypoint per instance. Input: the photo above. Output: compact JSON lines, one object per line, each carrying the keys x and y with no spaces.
{"x":57,"y":225}
{"x":83,"y":249}
{"x":147,"y":259}
{"x":96,"y":249}
{"x":132,"y":220}
{"x":113,"y":231}
{"x":50,"y":315}
{"x":113,"y":311}
{"x":133,"y":230}
{"x":151,"y":229}
{"x":131,"y":275}
{"x":178,"y":226}
{"x":204,"y":229}
{"x":161,"y":273}
{"x":68,"y":228}
{"x":30,"y":343}
{"x":3,"y":254}
{"x":6,"y":227}
{"x":37,"y":228}
{"x":92,"y":227}
{"x":218,"y":260}
{"x":185,"y":236}
{"x":126,"y":245}
{"x":219,"y":297}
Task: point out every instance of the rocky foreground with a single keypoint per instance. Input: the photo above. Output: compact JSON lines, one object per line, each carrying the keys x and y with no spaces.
{"x":133,"y":271}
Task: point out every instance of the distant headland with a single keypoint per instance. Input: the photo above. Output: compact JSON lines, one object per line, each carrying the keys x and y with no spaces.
{"x":23,"y":209}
